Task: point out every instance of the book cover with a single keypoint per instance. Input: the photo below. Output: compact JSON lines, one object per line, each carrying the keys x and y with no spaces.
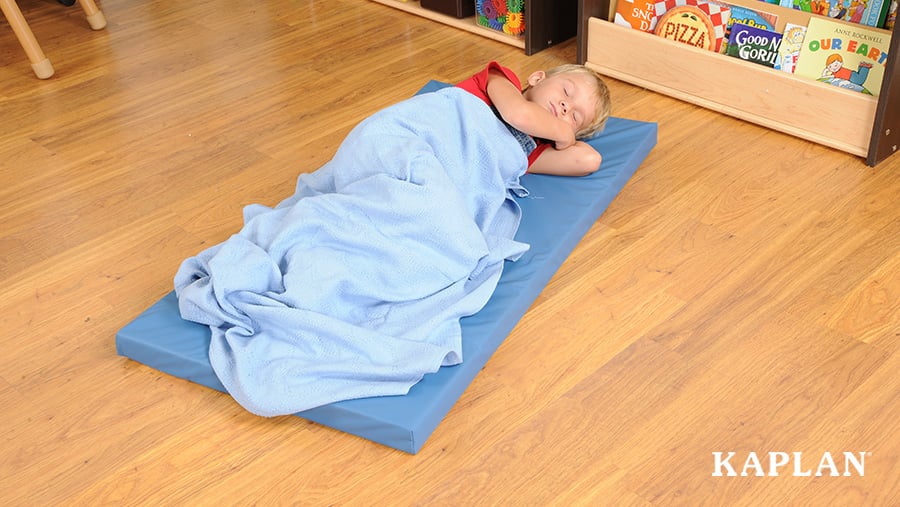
{"x":848,"y":56}
{"x":754,"y":44}
{"x":874,"y":13}
{"x":861,"y":12}
{"x":856,"y":9}
{"x":789,"y":49}
{"x":695,"y":22}
{"x":837,"y":9}
{"x":637,"y":14}
{"x":819,"y":7}
{"x":891,"y":16}
{"x":748,"y":16}
{"x":798,"y":5}
{"x":802,"y":5}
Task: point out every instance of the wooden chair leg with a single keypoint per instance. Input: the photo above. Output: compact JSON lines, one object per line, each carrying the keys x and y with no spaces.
{"x":94,"y":15}
{"x":39,"y":63}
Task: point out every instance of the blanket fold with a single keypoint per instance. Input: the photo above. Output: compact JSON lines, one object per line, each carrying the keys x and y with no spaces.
{"x":354,"y":285}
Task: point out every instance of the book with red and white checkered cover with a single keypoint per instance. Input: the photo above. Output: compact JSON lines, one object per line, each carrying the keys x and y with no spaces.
{"x":719,"y":14}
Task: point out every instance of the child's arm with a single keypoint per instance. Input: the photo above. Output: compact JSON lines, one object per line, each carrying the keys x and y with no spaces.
{"x":580,"y":159}
{"x":526,"y":116}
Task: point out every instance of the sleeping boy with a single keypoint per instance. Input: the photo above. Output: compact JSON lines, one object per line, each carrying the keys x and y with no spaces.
{"x":354,"y":286}
{"x":558,"y":107}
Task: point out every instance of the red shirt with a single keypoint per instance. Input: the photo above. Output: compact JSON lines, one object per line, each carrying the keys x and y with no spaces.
{"x":477,"y":85}
{"x":843,"y":73}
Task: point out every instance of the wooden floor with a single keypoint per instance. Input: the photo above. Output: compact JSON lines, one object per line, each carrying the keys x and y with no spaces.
{"x":741,"y":294}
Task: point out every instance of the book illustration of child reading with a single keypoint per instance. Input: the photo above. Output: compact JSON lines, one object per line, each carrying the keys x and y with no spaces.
{"x":836,"y":74}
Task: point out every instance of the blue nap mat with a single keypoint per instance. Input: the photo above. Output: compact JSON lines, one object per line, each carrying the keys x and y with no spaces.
{"x":555,"y":216}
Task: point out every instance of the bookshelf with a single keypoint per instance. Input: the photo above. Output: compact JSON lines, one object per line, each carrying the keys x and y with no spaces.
{"x":869,"y":126}
{"x":547,"y":22}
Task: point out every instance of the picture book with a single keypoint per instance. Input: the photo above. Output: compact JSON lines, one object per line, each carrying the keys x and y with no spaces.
{"x":891,"y":16}
{"x":637,"y":14}
{"x":848,"y":56}
{"x":861,"y":12}
{"x":838,"y":9}
{"x":855,"y":9}
{"x":874,"y":13}
{"x":696,"y":22}
{"x":789,"y":49}
{"x":754,"y":44}
{"x":750,"y":17}
{"x":829,"y":8}
{"x":800,"y":5}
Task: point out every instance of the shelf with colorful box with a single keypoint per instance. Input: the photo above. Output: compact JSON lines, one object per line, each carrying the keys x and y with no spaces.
{"x":857,"y":123}
{"x":507,"y":16}
{"x":532,"y":25}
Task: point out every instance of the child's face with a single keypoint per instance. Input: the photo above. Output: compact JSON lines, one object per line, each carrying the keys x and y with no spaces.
{"x":834,"y":66}
{"x":568,"y":96}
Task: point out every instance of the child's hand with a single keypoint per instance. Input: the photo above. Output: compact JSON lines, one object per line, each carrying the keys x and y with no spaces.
{"x":562,"y":144}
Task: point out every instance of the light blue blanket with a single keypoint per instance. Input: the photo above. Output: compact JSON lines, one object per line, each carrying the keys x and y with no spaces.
{"x":354,"y":286}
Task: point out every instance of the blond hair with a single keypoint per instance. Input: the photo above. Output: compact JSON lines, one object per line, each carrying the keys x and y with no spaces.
{"x":602,"y":103}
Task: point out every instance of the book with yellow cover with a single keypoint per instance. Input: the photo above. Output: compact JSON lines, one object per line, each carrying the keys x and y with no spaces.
{"x":844,"y":55}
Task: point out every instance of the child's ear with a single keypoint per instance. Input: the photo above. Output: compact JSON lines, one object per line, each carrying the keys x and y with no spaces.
{"x":536,"y":77}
